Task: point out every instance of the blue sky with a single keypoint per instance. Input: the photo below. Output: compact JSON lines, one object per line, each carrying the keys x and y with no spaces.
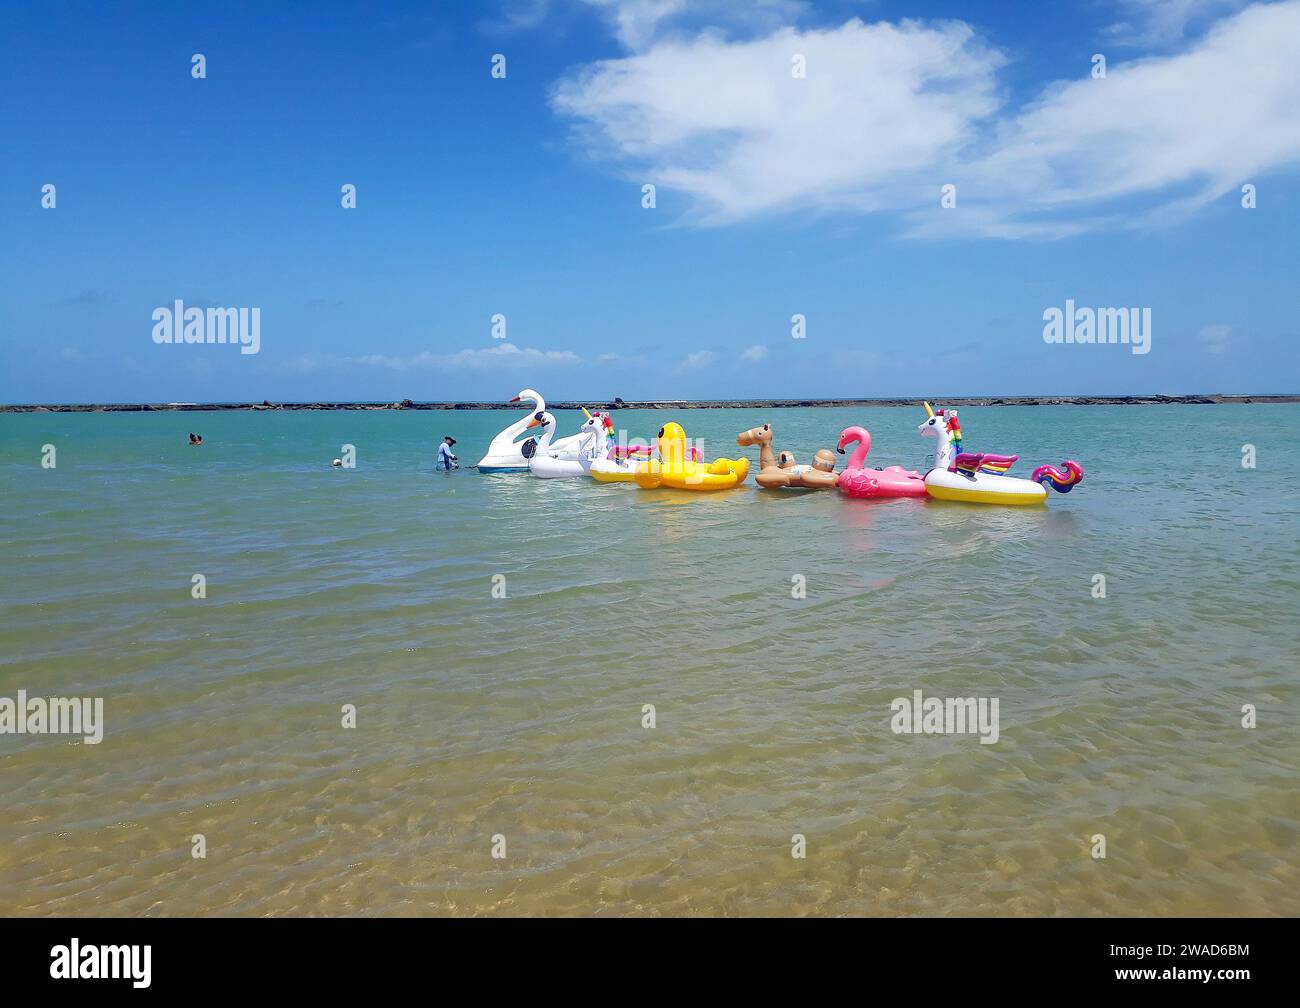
{"x":522,"y":196}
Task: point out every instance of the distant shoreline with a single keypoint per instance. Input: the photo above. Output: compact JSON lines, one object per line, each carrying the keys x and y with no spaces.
{"x":676,"y":404}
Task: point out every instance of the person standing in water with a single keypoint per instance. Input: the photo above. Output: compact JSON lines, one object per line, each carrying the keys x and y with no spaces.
{"x":445,"y":455}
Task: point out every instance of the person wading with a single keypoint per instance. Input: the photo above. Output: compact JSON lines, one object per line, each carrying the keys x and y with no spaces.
{"x":446,"y":457}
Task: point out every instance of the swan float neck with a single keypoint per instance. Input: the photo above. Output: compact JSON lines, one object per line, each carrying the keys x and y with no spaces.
{"x":505,"y":454}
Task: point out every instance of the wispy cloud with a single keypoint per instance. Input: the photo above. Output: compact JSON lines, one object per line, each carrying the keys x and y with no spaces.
{"x":1177,"y":132}
{"x":509,"y":355}
{"x":1162,"y":23}
{"x":1214,"y":339}
{"x":754,"y":354}
{"x":90,"y":298}
{"x":699,"y":359}
{"x":520,"y":15}
{"x":503,"y":355}
{"x":725,"y":122}
{"x":638,"y":23}
{"x":890,"y":112}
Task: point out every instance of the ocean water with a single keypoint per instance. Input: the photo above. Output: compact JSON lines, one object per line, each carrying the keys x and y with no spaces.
{"x":522,"y":717}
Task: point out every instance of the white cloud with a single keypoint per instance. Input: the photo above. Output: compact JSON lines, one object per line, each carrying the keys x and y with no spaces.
{"x":1164,"y":22}
{"x":1184,"y":129}
{"x":637,"y":23}
{"x":890,"y":112}
{"x":299,"y":364}
{"x":509,"y":355}
{"x":754,"y":354}
{"x":502,"y":355}
{"x":726,"y":123}
{"x":424,"y":359}
{"x":521,"y":15}
{"x":699,"y":359}
{"x":1214,"y":339}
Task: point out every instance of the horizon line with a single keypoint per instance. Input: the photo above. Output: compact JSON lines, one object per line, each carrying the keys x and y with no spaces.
{"x":1153,"y":398}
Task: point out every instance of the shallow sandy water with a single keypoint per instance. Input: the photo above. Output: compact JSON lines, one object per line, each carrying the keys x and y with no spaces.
{"x":522,"y":716}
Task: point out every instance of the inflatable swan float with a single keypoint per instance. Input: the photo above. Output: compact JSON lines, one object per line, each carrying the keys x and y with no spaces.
{"x":593,"y":443}
{"x":505,"y":454}
{"x":979,"y":477}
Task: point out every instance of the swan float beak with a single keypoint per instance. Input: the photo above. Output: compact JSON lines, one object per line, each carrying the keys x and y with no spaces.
{"x":534,"y":422}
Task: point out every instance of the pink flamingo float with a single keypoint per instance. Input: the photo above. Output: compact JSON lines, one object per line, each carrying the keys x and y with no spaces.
{"x":858,"y":481}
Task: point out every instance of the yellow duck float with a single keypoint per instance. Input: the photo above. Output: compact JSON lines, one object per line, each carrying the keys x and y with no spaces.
{"x":673,"y":469}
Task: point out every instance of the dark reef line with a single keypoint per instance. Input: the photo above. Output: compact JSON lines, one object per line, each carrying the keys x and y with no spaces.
{"x":676,"y":404}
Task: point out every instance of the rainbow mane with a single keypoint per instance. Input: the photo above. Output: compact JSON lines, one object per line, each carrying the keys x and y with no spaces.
{"x":952,"y":425}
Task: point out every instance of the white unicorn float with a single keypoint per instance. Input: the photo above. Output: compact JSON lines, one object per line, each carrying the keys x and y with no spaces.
{"x":505,"y":454}
{"x":980,"y":477}
{"x":594,"y":443}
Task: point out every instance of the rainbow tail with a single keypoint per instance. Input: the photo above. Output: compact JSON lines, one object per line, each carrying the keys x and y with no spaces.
{"x":1061,"y":482}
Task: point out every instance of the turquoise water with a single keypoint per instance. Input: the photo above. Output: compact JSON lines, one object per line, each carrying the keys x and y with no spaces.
{"x":521,"y":717}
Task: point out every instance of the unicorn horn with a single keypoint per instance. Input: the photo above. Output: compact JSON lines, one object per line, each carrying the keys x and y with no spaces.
{"x":584,"y":412}
{"x":928,"y":411}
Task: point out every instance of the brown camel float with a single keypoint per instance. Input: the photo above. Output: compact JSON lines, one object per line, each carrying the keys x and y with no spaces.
{"x":782,"y":471}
